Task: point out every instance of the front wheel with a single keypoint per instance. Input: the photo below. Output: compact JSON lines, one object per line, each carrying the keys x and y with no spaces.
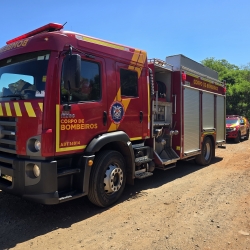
{"x":237,"y":139}
{"x":107,"y":178}
{"x":206,"y":153}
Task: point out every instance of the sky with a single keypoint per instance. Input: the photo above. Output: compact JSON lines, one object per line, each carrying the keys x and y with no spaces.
{"x":198,"y":29}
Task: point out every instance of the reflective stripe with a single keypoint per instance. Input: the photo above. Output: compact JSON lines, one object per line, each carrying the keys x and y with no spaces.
{"x":29,"y":109}
{"x":1,"y":110}
{"x":17,"y":109}
{"x":8,"y":110}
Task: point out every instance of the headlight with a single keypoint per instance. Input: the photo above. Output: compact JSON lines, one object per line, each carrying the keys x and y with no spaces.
{"x":37,"y":145}
{"x":233,"y":129}
{"x":36,"y":170}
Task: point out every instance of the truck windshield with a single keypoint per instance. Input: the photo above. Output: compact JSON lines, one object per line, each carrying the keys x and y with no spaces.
{"x":24,"y":76}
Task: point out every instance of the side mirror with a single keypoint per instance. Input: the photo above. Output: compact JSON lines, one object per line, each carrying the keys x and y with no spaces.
{"x":71,"y":71}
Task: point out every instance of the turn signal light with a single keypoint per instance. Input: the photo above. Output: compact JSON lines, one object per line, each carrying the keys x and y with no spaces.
{"x":90,"y":163}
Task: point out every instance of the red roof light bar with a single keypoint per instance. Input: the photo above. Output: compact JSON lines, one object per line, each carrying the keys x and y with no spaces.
{"x":48,"y":27}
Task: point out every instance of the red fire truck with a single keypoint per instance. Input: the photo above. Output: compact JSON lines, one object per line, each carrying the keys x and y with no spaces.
{"x":82,"y":116}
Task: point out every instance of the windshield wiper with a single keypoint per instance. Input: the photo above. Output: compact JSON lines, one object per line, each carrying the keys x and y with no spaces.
{"x":22,"y":97}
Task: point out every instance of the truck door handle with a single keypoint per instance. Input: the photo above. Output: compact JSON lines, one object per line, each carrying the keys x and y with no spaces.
{"x":104,"y":119}
{"x":141,"y":116}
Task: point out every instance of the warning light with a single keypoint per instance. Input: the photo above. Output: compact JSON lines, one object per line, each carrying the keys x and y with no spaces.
{"x":48,"y":27}
{"x":183,"y":76}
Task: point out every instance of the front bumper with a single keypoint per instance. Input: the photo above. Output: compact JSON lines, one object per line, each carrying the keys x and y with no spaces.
{"x":16,"y":178}
{"x":232,"y":134}
{"x":59,"y":181}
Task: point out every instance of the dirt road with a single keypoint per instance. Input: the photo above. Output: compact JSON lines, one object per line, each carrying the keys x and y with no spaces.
{"x":188,"y":207}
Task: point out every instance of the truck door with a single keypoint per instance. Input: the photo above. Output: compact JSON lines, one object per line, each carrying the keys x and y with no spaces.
{"x":129,"y":101}
{"x":83,"y":115}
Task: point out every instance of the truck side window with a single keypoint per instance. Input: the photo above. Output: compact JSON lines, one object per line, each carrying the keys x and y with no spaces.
{"x":129,"y":82}
{"x":89,"y":88}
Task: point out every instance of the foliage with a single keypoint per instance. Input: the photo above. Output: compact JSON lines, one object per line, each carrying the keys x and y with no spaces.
{"x":237,"y":82}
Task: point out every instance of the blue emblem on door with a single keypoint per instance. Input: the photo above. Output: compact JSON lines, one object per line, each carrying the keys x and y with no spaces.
{"x":116,"y":112}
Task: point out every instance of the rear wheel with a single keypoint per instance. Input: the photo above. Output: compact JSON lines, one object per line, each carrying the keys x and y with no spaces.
{"x":206,"y":153}
{"x":237,"y":139}
{"x":107,"y":178}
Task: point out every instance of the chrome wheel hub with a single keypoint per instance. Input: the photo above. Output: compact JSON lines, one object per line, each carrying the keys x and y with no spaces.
{"x":113,"y":179}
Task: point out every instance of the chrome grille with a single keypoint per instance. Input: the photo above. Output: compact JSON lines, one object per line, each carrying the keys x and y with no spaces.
{"x":8,"y":135}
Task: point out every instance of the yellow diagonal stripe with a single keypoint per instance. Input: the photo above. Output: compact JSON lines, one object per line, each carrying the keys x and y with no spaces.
{"x":125,"y":103}
{"x":17,"y":109}
{"x":112,"y":127}
{"x":138,"y":57}
{"x":8,"y":110}
{"x":41,"y":105}
{"x":1,"y":110}
{"x":29,"y":109}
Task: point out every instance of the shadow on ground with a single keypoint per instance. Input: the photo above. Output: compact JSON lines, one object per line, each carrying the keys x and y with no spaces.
{"x":23,"y":220}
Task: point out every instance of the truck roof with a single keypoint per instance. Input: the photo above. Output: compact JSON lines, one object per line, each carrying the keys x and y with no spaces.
{"x":179,"y":61}
{"x":79,"y":40}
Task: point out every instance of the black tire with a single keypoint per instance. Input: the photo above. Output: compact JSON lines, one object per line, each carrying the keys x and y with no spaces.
{"x":107,"y":178}
{"x":207,"y":153}
{"x":237,"y":139}
{"x":247,"y":135}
